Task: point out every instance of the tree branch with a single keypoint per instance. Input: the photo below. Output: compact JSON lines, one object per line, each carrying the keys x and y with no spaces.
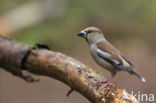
{"x":16,"y":57}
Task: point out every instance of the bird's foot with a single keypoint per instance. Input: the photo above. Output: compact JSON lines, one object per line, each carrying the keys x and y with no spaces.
{"x":105,"y":83}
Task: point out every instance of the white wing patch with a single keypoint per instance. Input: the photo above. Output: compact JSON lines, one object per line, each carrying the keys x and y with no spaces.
{"x":105,"y":54}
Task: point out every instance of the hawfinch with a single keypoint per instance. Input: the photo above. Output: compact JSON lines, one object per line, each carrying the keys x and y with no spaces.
{"x":105,"y":54}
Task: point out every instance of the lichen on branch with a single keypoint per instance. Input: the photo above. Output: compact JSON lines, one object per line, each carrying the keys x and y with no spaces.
{"x":17,"y":57}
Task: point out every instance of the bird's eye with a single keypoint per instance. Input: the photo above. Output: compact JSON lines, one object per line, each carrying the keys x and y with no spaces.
{"x":89,"y":31}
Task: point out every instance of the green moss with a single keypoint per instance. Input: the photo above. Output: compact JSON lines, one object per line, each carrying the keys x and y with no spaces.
{"x":100,"y":73}
{"x":85,"y":67}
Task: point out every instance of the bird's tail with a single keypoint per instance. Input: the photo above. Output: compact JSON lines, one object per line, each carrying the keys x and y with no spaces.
{"x":140,"y":77}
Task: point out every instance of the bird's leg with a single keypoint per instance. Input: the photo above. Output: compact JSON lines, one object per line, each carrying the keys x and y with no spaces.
{"x":108,"y":81}
{"x":105,"y":82}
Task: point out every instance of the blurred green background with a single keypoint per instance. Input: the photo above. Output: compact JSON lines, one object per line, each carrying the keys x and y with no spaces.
{"x":130,"y":25}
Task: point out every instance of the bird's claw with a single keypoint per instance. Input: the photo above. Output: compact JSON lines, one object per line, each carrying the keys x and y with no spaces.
{"x":105,"y":83}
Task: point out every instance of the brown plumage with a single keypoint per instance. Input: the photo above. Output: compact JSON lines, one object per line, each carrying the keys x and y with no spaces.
{"x":105,"y":54}
{"x":115,"y":54}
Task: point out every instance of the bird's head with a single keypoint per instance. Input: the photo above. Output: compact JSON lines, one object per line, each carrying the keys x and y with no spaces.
{"x":91,"y":34}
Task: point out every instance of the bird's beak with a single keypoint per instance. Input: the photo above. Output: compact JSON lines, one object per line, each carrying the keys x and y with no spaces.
{"x":82,"y":34}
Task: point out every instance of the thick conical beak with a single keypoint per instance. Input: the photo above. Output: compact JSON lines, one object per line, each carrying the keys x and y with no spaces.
{"x":82,"y":34}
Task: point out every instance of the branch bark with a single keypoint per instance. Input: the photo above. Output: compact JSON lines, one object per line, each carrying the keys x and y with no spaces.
{"x":16,"y":57}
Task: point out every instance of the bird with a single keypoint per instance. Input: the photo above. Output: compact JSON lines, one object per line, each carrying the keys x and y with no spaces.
{"x":105,"y":54}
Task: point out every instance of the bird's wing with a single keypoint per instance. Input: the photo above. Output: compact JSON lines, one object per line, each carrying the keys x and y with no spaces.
{"x":133,"y":66}
{"x":110,"y":54}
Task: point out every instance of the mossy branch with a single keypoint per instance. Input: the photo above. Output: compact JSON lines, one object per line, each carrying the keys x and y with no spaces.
{"x":16,"y":57}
